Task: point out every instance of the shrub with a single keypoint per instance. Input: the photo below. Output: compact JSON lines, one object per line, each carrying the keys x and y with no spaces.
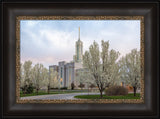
{"x":72,"y":86}
{"x":24,"y":88}
{"x":81,"y":85}
{"x":92,"y":86}
{"x":130,"y":87}
{"x":116,"y":90}
{"x":27,"y":89}
{"x":30,"y":89}
{"x":53,"y":88}
{"x":64,"y":88}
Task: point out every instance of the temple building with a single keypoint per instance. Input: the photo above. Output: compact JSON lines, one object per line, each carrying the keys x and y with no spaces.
{"x":67,"y":71}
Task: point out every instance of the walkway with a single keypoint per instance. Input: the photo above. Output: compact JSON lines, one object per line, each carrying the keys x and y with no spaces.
{"x":56,"y":96}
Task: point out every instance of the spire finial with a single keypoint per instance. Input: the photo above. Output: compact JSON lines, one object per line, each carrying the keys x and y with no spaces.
{"x":79,"y":33}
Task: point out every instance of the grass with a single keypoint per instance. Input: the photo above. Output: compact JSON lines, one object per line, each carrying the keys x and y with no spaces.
{"x":51,"y":92}
{"x":129,"y":96}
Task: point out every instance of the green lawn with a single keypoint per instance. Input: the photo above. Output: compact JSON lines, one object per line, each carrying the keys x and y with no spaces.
{"x":129,"y":96}
{"x":51,"y":92}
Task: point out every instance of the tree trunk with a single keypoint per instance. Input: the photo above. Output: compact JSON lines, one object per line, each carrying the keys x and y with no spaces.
{"x":134,"y":89}
{"x":88,"y":91}
{"x":48,"y":89}
{"x":37,"y":91}
{"x":24,"y":93}
{"x":101,"y":96}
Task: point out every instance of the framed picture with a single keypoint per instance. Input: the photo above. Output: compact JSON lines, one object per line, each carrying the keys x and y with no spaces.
{"x":77,"y":80}
{"x":93,"y":59}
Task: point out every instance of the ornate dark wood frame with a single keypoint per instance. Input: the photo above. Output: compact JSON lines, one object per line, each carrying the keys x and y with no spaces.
{"x":151,"y":67}
{"x":19,"y":18}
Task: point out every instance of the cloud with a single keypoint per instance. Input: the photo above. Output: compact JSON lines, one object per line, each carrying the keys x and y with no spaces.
{"x":49,"y":42}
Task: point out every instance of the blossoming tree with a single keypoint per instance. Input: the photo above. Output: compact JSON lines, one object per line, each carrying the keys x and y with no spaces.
{"x":102,"y":65}
{"x":130,"y":69}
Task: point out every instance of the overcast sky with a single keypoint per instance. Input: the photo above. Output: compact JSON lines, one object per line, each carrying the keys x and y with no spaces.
{"x":51,"y":41}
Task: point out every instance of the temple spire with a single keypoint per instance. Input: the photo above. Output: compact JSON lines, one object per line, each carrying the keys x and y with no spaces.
{"x":79,"y":34}
{"x":78,"y":57}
